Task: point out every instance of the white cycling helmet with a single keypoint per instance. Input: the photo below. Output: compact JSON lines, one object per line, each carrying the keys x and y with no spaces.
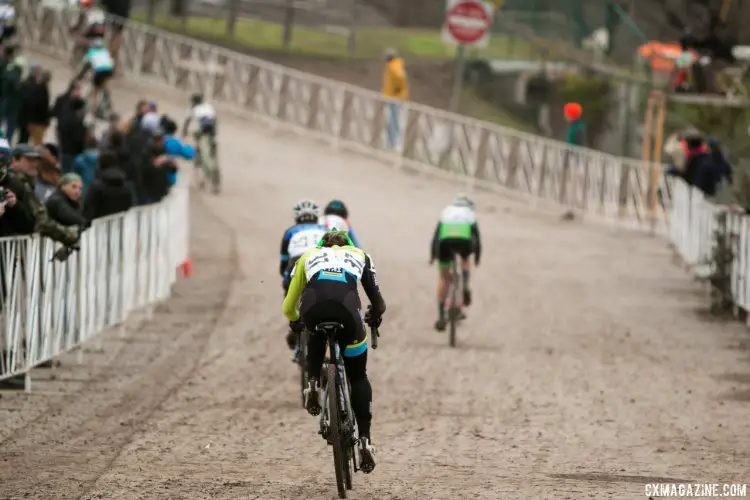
{"x":463,"y":200}
{"x":306,"y":210}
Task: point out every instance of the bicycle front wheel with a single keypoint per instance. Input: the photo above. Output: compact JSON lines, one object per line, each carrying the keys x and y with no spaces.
{"x":334,"y":412}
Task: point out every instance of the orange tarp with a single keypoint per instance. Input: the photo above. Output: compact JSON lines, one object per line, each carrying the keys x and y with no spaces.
{"x":662,"y":55}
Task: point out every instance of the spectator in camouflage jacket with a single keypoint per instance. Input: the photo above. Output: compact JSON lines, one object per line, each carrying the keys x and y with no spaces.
{"x":24,"y":160}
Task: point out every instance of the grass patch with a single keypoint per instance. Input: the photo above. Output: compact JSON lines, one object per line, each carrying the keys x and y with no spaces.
{"x":474,"y":106}
{"x":370,"y":42}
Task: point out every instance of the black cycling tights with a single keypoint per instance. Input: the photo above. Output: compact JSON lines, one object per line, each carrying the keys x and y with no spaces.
{"x":356,"y":373}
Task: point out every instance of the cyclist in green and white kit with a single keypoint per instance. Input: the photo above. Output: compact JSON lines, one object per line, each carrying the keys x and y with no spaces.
{"x":457,"y":232}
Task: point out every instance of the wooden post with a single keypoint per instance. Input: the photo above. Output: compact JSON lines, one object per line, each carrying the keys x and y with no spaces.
{"x":656,"y":172}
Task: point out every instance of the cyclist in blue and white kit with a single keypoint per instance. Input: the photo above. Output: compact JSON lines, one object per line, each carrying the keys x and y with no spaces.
{"x":336,"y":216}
{"x":298,"y":239}
{"x":302,"y":236}
{"x":100,"y":62}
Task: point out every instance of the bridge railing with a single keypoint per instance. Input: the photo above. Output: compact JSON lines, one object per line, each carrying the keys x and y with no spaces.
{"x":622,"y":191}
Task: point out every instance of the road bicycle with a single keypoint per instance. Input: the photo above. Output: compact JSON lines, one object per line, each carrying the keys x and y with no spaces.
{"x":206,"y":161}
{"x":455,"y":314}
{"x":337,"y":423}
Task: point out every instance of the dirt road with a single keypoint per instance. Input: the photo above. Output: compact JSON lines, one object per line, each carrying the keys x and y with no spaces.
{"x":583,"y":370}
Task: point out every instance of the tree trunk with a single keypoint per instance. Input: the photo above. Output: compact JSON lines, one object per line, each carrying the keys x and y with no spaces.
{"x":288,"y":24}
{"x":233,"y":12}
{"x":178,"y":8}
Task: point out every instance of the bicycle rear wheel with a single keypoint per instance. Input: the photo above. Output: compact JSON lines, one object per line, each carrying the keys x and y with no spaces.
{"x":302,"y":362}
{"x":453,"y":311}
{"x":336,"y":437}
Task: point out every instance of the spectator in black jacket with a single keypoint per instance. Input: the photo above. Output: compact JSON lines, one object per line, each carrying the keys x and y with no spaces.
{"x":72,"y":132}
{"x":11,"y":89}
{"x":27,"y":88}
{"x":156,"y":167}
{"x":63,"y":100}
{"x":111,"y":192}
{"x":136,"y":143}
{"x":64,"y":206}
{"x":35,"y":113}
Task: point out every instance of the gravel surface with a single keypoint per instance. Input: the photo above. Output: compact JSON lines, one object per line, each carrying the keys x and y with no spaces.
{"x":583,"y":370}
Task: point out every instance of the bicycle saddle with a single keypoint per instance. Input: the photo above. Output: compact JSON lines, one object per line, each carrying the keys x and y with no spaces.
{"x":329,"y":326}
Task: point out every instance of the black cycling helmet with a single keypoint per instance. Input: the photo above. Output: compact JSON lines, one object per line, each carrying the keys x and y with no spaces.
{"x":336,"y":207}
{"x":196,"y":99}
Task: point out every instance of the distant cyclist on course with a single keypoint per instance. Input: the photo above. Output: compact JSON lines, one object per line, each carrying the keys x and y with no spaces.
{"x":100,"y":62}
{"x":90,"y":25}
{"x":324,"y":285}
{"x":457,"y":232}
{"x":204,"y":115}
{"x":336,"y":216}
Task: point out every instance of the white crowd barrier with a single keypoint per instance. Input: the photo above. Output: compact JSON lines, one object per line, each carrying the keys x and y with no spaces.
{"x":694,"y":224}
{"x":126,"y":262}
{"x":484,"y":155}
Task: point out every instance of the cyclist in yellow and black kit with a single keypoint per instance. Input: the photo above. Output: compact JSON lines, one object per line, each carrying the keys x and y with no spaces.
{"x":324,"y":283}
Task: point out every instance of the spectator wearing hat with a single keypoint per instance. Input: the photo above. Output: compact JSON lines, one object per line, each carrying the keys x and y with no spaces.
{"x":24,"y":165}
{"x":17,"y":218}
{"x":576,"y":124}
{"x":64,"y":206}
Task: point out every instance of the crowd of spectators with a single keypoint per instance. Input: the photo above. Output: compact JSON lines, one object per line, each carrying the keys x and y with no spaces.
{"x":700,"y":161}
{"x":57,"y":188}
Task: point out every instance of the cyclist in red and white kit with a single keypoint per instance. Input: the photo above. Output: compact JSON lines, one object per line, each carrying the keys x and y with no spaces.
{"x":336,"y":216}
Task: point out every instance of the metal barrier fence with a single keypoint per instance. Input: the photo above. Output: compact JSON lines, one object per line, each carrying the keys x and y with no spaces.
{"x":126,"y":262}
{"x":622,"y":191}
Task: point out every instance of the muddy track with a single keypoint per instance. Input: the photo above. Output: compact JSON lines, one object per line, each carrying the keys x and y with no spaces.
{"x":582,"y":371}
{"x":159,"y":356}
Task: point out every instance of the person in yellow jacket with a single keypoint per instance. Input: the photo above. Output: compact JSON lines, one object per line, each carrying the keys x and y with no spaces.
{"x":395,"y":86}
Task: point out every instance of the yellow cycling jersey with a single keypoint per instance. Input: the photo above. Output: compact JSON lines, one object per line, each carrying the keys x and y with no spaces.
{"x":334,"y":263}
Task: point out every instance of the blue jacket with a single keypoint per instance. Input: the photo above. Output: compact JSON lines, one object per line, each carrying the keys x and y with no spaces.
{"x":176,"y":148}
{"x":85,"y":166}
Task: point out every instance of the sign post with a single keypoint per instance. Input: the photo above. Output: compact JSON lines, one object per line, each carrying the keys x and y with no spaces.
{"x":467,"y":23}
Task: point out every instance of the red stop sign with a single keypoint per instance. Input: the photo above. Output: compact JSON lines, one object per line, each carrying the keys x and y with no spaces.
{"x":468,"y":21}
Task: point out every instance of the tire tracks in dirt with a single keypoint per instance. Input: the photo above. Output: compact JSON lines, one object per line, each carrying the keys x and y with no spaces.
{"x":84,"y":434}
